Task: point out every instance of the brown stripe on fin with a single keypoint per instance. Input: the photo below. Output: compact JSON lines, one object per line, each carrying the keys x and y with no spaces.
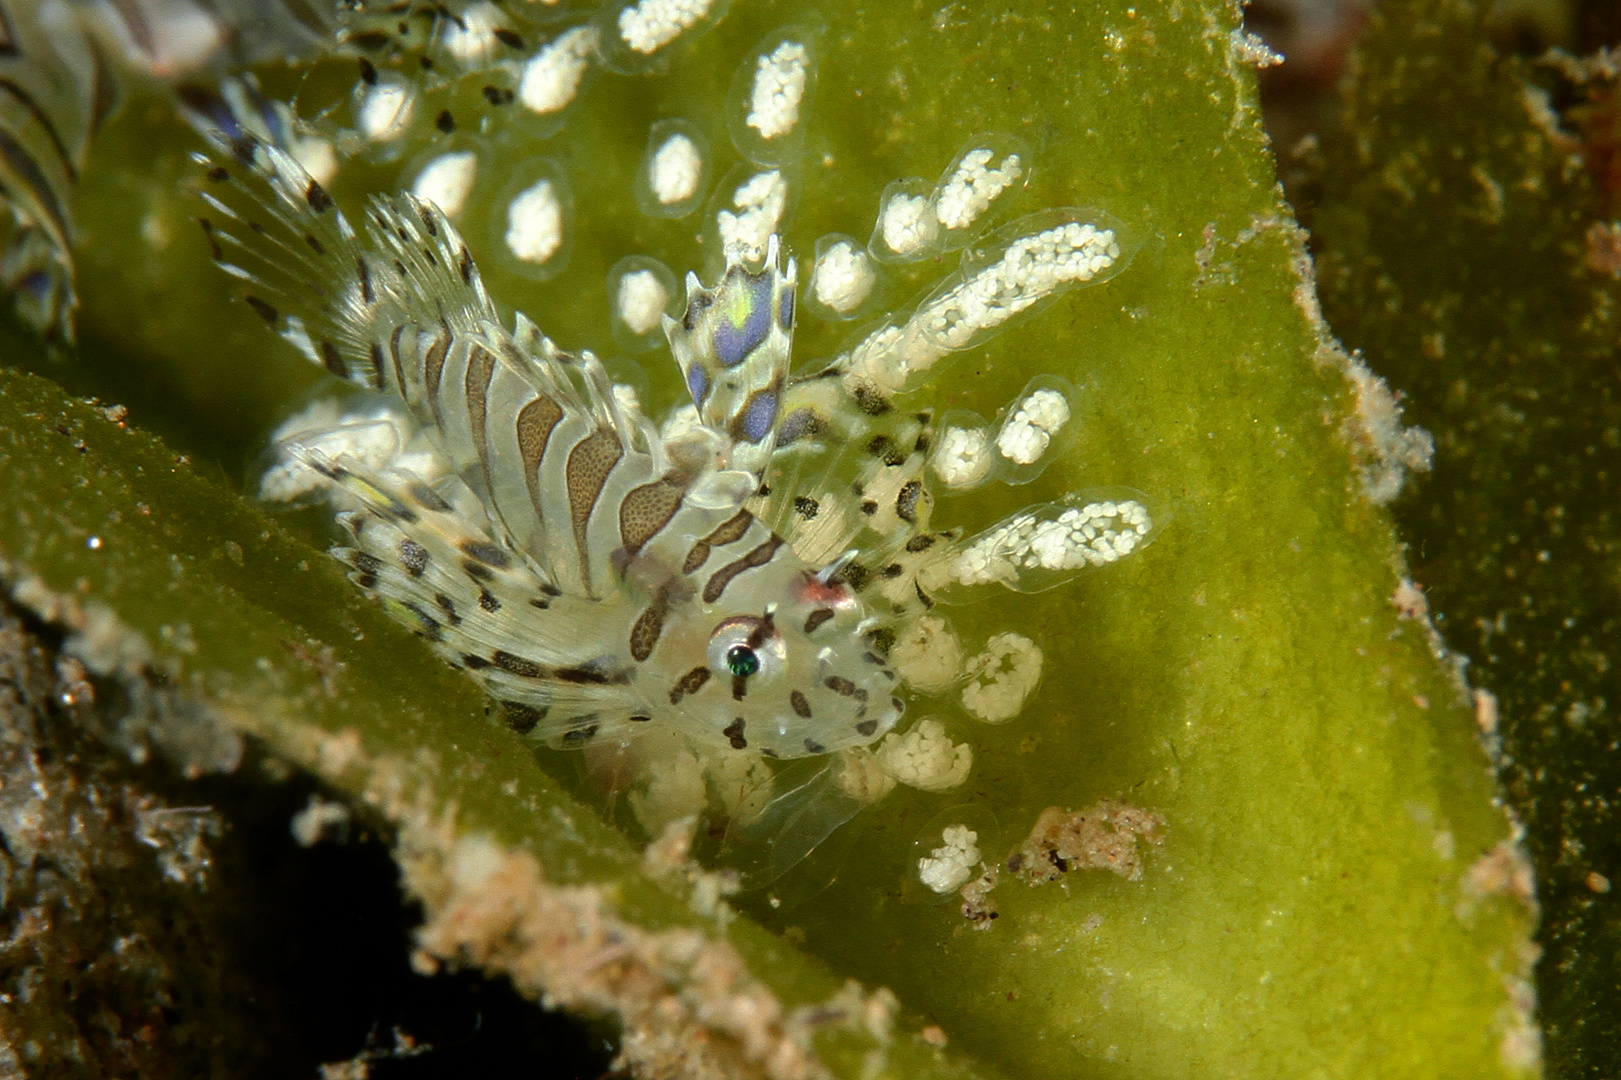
{"x":535,"y":424}
{"x":480,"y":370}
{"x":690,"y":683}
{"x":649,"y":625}
{"x":646,"y":510}
{"x":589,"y":464}
{"x":727,"y":532}
{"x":759,"y":556}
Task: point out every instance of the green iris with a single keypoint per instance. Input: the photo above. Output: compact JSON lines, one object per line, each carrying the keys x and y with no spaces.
{"x":741,"y":661}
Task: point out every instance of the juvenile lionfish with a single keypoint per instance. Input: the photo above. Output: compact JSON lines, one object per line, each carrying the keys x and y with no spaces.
{"x":725,"y":589}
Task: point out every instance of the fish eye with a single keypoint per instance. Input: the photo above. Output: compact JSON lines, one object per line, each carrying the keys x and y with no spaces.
{"x":742,"y":661}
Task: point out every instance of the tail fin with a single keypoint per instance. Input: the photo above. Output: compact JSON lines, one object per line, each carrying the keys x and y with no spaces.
{"x":327,"y":290}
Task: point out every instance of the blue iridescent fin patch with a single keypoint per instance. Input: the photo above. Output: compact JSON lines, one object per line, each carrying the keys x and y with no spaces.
{"x":733,"y":344}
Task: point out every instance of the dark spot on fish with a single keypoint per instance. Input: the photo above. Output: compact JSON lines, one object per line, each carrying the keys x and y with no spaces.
{"x":881,"y":640}
{"x":817,"y":618}
{"x":448,"y":607}
{"x":262,"y":309}
{"x":579,"y":735}
{"x":445,"y":122}
{"x":521,"y":718}
{"x":528,"y":669}
{"x":869,"y":507}
{"x":213,"y":244}
{"x":893,"y":570}
{"x":477,"y":571}
{"x":854,"y":575}
{"x":498,"y":95}
{"x":920,"y":542}
{"x":364,"y":271}
{"x":368,"y":72}
{"x":414,"y":557}
{"x":801,"y":706}
{"x":867,"y":727}
{"x":806,"y":507}
{"x":870,"y":400}
{"x":591,"y":676}
{"x":873,"y":658}
{"x":840,"y":685}
{"x":366,"y":581}
{"x":367,"y":563}
{"x":474,"y":662}
{"x":906,"y":501}
{"x":814,"y":747}
{"x":331,"y":360}
{"x":317,"y":197}
{"x":466,"y":265}
{"x":509,"y":38}
{"x":219,"y":174}
{"x":690,"y":683}
{"x":485,"y":553}
{"x":734,"y":733}
{"x":430,"y":627}
{"x":638,"y":718}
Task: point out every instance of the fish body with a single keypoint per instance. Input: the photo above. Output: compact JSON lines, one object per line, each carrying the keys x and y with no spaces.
{"x":609,"y":578}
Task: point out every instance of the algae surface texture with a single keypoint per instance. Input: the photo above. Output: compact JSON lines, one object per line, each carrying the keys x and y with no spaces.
{"x":1466,"y":224}
{"x":1244,"y":826}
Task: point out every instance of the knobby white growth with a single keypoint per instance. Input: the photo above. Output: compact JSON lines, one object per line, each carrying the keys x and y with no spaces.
{"x":642,"y":299}
{"x":974,"y":186}
{"x":948,"y":867}
{"x":1002,"y":677}
{"x":907,"y":224}
{"x":385,"y":111}
{"x":652,"y":24}
{"x":552,"y":78}
{"x":1030,"y":430}
{"x":925,"y":758}
{"x":863,"y":777}
{"x":962,"y":457}
{"x":959,"y":316}
{"x":677,"y":167}
{"x":373,"y":437}
{"x":447,"y":180}
{"x":1030,"y":269}
{"x":928,"y":655}
{"x":470,"y":37}
{"x":535,"y":223}
{"x":759,"y":204}
{"x":779,"y":87}
{"x":1092,"y":535}
{"x":843,"y":277}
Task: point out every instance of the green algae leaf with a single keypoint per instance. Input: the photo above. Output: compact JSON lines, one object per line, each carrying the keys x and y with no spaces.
{"x":1468,"y":240}
{"x":1257,"y":691}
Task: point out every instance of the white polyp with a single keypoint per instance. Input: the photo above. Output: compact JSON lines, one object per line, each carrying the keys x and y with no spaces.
{"x":535,"y":223}
{"x":1027,"y":433}
{"x":1001,"y":677}
{"x":928,"y":656}
{"x":758,"y":206}
{"x":472,"y":39}
{"x":1030,"y":269}
{"x":948,"y":867}
{"x":973,"y":186}
{"x":962,"y":457}
{"x":552,"y":77}
{"x":385,"y":111}
{"x":907,"y":224}
{"x":843,"y":277}
{"x":677,"y":167}
{"x":641,"y":301}
{"x":1092,"y":535}
{"x":925,"y":758}
{"x":650,"y":25}
{"x":779,"y":87}
{"x":447,"y":180}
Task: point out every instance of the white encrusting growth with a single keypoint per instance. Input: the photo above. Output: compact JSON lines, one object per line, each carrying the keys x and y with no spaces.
{"x":552,"y":77}
{"x":535,"y":222}
{"x":650,"y":25}
{"x":1002,"y":677}
{"x":948,"y":867}
{"x":1030,"y":269}
{"x":925,"y":758}
{"x":779,"y":87}
{"x":1027,"y":433}
{"x":1052,"y":538}
{"x":641,"y":301}
{"x":973,"y":186}
{"x":927,"y":655}
{"x":757,"y":208}
{"x":842,"y":278}
{"x":447,"y":180}
{"x":907,"y":224}
{"x":384,"y":111}
{"x":979,"y":300}
{"x":676,"y":169}
{"x":962,"y":457}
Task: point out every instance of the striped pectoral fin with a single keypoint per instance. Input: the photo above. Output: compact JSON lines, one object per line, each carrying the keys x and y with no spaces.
{"x":733,"y":344}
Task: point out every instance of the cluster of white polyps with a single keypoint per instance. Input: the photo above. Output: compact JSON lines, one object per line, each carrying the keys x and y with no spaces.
{"x":652,"y":24}
{"x":1092,"y":535}
{"x":973,"y":186}
{"x":779,"y":86}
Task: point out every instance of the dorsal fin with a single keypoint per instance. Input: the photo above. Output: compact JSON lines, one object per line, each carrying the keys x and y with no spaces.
{"x":733,"y":345}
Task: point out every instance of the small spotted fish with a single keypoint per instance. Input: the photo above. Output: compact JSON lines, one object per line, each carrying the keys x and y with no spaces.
{"x":597,"y":577}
